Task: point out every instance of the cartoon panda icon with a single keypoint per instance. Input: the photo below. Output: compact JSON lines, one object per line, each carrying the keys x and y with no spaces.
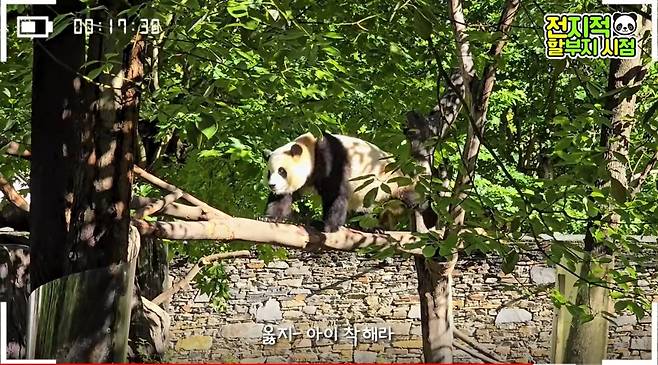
{"x":624,"y":23}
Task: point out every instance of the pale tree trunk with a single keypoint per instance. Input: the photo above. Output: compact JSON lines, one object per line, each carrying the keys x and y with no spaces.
{"x":434,"y":274}
{"x":435,"y":290}
{"x":587,"y":342}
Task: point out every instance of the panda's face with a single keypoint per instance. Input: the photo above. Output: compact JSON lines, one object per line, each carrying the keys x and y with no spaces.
{"x":625,"y":23}
{"x":288,"y":169}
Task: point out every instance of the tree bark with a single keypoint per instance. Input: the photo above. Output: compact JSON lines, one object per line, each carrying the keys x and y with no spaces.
{"x":435,"y":275}
{"x":435,"y":290}
{"x":587,"y":342}
{"x":56,"y":108}
{"x":83,"y":143}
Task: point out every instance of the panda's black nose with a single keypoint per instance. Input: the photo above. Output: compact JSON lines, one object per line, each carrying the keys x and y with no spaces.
{"x":272,"y":186}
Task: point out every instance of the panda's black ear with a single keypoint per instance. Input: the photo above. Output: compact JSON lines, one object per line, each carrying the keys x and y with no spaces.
{"x":616,"y":15}
{"x":633,"y":15}
{"x":295,"y":150}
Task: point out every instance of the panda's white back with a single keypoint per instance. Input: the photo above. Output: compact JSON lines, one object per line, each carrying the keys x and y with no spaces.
{"x":366,"y":159}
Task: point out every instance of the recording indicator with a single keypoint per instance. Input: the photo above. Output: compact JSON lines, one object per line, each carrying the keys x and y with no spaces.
{"x":33,"y":26}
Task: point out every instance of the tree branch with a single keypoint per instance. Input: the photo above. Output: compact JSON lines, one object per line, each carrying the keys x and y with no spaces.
{"x":157,"y":205}
{"x":461,"y":38}
{"x":492,"y":357}
{"x":16,"y":150}
{"x":506,"y":19}
{"x":216,"y":213}
{"x":638,"y":181}
{"x":12,"y":195}
{"x":278,"y":234}
{"x":176,"y":210}
{"x":206,"y":260}
{"x":486,"y":359}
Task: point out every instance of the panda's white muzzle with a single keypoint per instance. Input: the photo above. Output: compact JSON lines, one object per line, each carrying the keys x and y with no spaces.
{"x":278,"y":184}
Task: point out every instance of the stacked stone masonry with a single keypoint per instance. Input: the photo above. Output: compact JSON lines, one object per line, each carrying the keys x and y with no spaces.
{"x":510,"y":315}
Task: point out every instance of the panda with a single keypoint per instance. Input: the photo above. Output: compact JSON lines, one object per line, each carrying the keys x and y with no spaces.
{"x":328,"y":167}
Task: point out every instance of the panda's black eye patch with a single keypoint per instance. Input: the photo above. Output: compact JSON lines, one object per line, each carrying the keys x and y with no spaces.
{"x":283,"y":172}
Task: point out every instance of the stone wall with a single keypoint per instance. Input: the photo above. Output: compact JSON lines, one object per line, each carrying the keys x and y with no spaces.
{"x":510,"y":315}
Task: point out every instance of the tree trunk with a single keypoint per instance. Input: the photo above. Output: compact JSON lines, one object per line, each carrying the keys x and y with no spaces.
{"x":56,"y":107}
{"x":435,"y":290}
{"x":83,"y":142}
{"x":580,"y":348}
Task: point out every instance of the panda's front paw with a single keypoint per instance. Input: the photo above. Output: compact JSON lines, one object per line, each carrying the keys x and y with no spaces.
{"x":272,"y":220}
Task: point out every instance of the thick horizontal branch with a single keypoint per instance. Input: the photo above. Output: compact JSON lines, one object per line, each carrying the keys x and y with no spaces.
{"x":279,"y":234}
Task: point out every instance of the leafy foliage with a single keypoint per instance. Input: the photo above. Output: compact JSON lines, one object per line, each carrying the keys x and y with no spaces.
{"x":233,"y":78}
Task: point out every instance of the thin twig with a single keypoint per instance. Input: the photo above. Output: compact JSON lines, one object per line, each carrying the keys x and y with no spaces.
{"x":639,"y":180}
{"x":488,"y":354}
{"x":206,"y":260}
{"x":167,"y":186}
{"x":476,"y":354}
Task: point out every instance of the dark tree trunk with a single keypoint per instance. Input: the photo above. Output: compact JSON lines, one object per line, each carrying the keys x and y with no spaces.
{"x":56,"y":108}
{"x":83,"y":143}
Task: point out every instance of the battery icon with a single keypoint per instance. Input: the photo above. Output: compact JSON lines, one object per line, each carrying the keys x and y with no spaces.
{"x":33,"y":26}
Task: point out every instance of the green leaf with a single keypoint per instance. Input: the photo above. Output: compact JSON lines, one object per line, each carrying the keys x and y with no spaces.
{"x":620,"y":305}
{"x":650,"y":113}
{"x":364,"y":185}
{"x":368,"y":221}
{"x":274,"y":13}
{"x":422,"y":25}
{"x":618,"y":191}
{"x":370,"y":197}
{"x":237,"y":9}
{"x":400,"y":181}
{"x":392,"y":166}
{"x":429,"y":251}
{"x":333,"y":35}
{"x":361,"y":177}
{"x":210,"y":131}
{"x":60,"y":23}
{"x":93,"y":74}
{"x":385,"y":188}
{"x":510,"y":261}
